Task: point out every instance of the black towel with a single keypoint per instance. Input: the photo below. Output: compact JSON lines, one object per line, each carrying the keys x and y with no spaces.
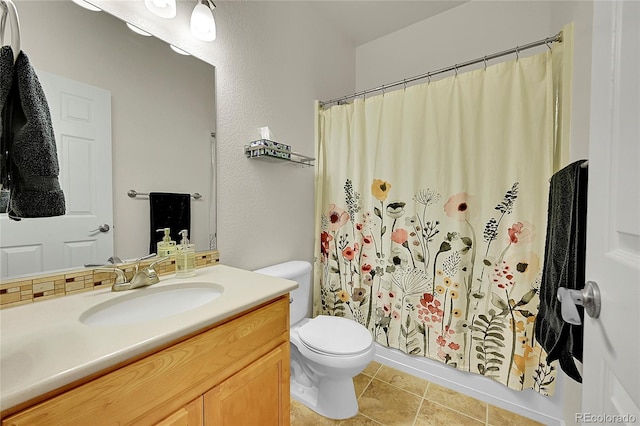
{"x":564,"y":266}
{"x":6,"y":83}
{"x":168,"y":210}
{"x":30,"y":170}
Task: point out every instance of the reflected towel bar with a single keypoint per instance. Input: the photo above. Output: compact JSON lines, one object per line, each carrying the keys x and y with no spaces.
{"x":132,"y":193}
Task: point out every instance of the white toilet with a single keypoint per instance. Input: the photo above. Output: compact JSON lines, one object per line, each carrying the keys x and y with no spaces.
{"x":326,"y":351}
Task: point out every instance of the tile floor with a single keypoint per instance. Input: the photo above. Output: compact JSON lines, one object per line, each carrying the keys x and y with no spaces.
{"x":390,"y":397}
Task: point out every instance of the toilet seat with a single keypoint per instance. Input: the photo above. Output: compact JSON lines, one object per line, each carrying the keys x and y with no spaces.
{"x":334,"y":336}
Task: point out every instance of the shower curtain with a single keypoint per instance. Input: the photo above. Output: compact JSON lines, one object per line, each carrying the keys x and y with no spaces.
{"x":431,"y":214}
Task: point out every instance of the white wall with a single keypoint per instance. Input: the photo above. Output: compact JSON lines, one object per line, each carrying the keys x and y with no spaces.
{"x":272,"y":60}
{"x":467,"y":32}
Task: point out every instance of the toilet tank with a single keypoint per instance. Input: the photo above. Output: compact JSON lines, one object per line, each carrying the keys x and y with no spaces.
{"x":299,"y":271}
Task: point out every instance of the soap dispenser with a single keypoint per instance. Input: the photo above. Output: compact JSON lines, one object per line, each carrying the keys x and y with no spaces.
{"x":185,"y":257}
{"x":166,"y":247}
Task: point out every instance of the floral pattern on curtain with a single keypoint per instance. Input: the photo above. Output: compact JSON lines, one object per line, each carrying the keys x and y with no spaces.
{"x":431,"y":216}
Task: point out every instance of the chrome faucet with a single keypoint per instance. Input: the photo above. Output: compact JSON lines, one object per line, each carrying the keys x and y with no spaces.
{"x":141,"y":278}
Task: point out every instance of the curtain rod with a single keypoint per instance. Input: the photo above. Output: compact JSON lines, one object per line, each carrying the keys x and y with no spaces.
{"x":516,"y":50}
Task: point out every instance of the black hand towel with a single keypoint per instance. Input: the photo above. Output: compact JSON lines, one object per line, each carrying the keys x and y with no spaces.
{"x":32,"y":163}
{"x":564,"y":266}
{"x":6,"y":83}
{"x":168,"y":210}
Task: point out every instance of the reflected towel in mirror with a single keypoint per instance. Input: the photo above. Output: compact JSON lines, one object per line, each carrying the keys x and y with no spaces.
{"x":30,"y":160}
{"x":168,"y":210}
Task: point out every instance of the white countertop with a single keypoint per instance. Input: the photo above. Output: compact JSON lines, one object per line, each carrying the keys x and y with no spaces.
{"x":44,"y":346}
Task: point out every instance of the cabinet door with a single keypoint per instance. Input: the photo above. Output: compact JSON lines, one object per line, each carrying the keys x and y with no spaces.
{"x":189,"y":415}
{"x":256,"y":395}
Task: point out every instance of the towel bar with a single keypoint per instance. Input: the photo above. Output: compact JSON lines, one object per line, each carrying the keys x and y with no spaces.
{"x":132,"y":193}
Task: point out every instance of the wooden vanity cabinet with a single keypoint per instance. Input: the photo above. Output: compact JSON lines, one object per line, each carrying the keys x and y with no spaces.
{"x":234,"y":373}
{"x":190,"y":414}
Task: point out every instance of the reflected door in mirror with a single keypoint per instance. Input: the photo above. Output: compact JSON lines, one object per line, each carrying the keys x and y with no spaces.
{"x":81,"y":116}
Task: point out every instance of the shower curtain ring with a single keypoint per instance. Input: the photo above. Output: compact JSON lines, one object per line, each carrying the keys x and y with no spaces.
{"x":517,"y":53}
{"x":547,"y":43}
{"x":404,"y":81}
{"x":455,"y":67}
{"x":485,"y":63}
{"x":429,"y":78}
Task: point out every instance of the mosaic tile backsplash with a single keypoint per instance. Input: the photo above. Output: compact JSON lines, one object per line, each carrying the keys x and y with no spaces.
{"x":19,"y":291}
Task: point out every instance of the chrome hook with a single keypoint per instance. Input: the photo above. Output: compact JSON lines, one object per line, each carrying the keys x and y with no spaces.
{"x":485,"y":63}
{"x":517,"y":53}
{"x":404,"y":82}
{"x":429,"y":78}
{"x":455,"y":67}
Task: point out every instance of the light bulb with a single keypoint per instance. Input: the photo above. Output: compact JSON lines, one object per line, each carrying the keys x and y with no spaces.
{"x":203,"y":26}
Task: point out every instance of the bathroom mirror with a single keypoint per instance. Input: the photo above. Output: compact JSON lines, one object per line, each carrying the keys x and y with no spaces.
{"x":162,"y":115}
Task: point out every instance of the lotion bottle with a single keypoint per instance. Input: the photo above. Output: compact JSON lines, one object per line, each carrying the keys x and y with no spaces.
{"x":166,"y":247}
{"x":185,"y":257}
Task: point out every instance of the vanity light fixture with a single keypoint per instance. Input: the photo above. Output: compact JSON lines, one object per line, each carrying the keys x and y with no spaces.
{"x":138,"y":30}
{"x":162,"y":8}
{"x":203,"y":26}
{"x":87,"y":5}
{"x":178,"y":50}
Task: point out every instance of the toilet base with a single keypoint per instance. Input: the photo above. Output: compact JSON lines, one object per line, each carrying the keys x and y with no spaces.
{"x":332,"y":398}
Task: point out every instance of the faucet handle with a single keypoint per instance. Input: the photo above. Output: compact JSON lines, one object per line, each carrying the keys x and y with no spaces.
{"x":121,"y":278}
{"x":151,"y":273}
{"x":157,"y":262}
{"x":149,"y":256}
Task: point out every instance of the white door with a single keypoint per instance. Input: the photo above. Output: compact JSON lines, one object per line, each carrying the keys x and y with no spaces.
{"x":611,"y":370}
{"x":81,"y":116}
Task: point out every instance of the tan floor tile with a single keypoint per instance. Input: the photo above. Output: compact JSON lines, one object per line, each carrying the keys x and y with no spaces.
{"x":301,"y":415}
{"x":372,"y":368}
{"x":360,"y":383}
{"x":359,"y":420}
{"x":402,"y":380}
{"x":501,"y":417}
{"x":457,"y":401}
{"x":432,"y":414}
{"x":388,"y":405}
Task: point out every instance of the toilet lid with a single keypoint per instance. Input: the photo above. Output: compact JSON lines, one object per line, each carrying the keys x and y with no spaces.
{"x":335,"y":335}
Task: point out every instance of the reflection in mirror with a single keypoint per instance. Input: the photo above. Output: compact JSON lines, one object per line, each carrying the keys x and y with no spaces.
{"x":162,"y":117}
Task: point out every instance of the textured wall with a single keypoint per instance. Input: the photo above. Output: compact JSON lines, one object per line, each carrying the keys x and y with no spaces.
{"x":277,"y":59}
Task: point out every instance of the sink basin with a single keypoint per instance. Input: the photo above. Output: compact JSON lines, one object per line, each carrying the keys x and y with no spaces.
{"x":151,"y":303}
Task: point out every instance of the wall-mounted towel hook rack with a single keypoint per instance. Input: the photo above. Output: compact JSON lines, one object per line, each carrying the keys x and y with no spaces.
{"x":132,"y":193}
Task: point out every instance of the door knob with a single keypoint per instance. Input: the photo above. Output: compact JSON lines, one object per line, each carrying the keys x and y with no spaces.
{"x":102,"y":228}
{"x":589,"y":298}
